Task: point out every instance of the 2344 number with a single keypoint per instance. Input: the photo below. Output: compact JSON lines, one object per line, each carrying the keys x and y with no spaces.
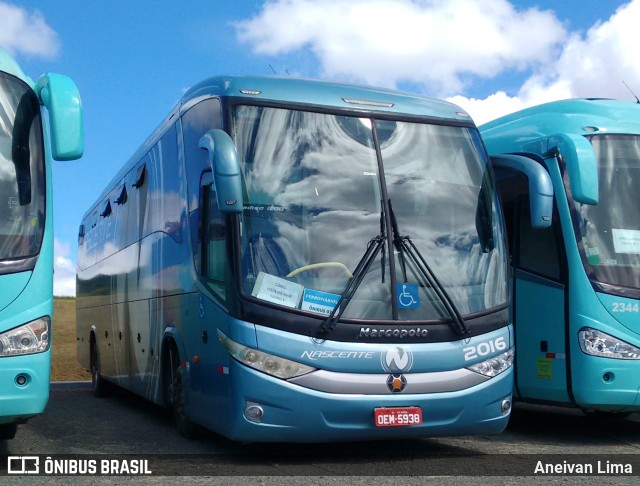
{"x":622,"y":307}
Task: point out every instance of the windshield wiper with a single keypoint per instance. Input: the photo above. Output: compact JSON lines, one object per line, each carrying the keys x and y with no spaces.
{"x":405,"y":246}
{"x":374,"y":247}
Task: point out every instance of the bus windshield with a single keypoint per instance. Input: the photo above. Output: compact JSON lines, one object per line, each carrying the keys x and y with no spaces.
{"x":315,"y":198}
{"x":22,"y":202}
{"x":609,"y":232}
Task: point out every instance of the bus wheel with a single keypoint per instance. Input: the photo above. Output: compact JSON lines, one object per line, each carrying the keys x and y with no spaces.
{"x":8,"y":431}
{"x":175,"y":393}
{"x":98,"y":384}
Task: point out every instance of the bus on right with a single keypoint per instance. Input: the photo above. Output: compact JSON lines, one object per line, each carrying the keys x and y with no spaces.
{"x":576,"y":281}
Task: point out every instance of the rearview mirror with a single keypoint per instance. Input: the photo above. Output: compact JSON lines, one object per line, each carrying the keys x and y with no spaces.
{"x":61,"y":97}
{"x":582,"y":166}
{"x":540,"y":186}
{"x":225,"y":169}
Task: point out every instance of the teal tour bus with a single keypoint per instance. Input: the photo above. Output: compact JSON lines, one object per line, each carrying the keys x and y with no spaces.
{"x":27,"y":145}
{"x":303,"y":261}
{"x":576,"y":283}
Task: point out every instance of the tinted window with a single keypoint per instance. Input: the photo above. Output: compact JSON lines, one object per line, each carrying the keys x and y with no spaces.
{"x":214,"y":251}
{"x":21,"y":171}
{"x":195,"y":123}
{"x":538,"y":249}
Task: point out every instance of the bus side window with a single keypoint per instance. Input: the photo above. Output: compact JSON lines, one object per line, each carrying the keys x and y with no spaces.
{"x":511,"y":187}
{"x":537,"y":249}
{"x":213,"y":237}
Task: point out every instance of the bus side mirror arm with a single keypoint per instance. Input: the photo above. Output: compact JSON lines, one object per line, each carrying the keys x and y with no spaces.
{"x":225,"y":169}
{"x":540,"y":186}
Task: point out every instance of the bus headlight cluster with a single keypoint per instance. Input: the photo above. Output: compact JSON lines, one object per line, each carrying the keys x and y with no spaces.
{"x":494,"y":366}
{"x":597,"y":343}
{"x":29,"y":338}
{"x":267,"y":363}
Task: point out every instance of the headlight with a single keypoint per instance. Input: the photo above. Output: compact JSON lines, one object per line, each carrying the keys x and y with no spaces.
{"x":597,"y":343}
{"x":27,"y":339}
{"x":267,"y":363}
{"x":494,"y":366}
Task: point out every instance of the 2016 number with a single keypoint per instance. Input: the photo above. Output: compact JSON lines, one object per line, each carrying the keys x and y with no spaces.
{"x":484,"y":348}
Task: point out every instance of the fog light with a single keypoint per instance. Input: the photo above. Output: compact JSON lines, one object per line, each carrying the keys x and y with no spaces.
{"x":506,"y":406}
{"x":608,"y":377}
{"x":21,"y":380}
{"x":253,"y":412}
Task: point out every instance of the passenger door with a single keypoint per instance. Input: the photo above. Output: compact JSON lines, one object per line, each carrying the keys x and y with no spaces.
{"x":539,"y":309}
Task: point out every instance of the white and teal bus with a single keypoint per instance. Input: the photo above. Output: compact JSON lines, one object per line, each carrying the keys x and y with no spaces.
{"x":576,"y":284}
{"x":27,"y":145}
{"x":295,"y":260}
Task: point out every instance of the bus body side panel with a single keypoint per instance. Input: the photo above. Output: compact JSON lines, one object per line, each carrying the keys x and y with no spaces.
{"x":624,"y":310}
{"x":297,"y":414}
{"x":20,"y":402}
{"x":209,"y":388}
{"x":540,"y":338}
{"x":601,"y":383}
{"x":134,"y":267}
{"x":35,"y":301}
{"x":222,"y":388}
{"x":588,"y":374}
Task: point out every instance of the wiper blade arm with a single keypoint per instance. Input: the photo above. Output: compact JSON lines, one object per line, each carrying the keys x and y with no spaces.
{"x":410,"y":248}
{"x":373,"y":248}
{"x":405,"y":246}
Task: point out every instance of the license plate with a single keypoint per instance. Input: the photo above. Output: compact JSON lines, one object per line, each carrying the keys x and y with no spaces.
{"x":397,"y":416}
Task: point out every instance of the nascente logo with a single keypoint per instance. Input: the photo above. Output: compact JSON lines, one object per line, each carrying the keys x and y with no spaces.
{"x":395,"y":360}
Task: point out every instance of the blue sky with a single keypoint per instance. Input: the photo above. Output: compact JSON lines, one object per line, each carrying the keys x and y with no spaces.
{"x":132,"y":60}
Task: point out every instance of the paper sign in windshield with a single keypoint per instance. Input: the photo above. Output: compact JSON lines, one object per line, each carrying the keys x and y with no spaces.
{"x":626,"y":241}
{"x":319,"y":302}
{"x":277,"y":290}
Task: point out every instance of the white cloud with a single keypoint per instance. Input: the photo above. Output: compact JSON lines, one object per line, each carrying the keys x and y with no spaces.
{"x":500,"y":104}
{"x":596,"y":65}
{"x":435,"y":44}
{"x":441,"y":47}
{"x":22,"y":32}
{"x":592,"y":66}
{"x":64,"y":270}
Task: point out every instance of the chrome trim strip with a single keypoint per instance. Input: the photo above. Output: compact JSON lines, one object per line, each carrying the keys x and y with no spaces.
{"x":376,"y":384}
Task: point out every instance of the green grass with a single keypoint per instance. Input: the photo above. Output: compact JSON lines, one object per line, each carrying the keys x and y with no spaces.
{"x":64,"y":364}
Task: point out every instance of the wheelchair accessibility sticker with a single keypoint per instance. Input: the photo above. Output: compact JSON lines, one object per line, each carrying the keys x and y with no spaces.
{"x":408,"y":296}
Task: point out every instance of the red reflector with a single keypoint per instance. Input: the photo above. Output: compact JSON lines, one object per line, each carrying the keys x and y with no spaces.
{"x":551,"y":355}
{"x":397,"y":416}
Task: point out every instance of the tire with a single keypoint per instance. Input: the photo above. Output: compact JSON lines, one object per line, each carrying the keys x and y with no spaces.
{"x":99,"y":386}
{"x":174,"y":384}
{"x":8,"y":431}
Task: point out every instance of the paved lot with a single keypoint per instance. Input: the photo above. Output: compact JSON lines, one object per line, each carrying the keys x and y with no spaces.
{"x":76,"y":423}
